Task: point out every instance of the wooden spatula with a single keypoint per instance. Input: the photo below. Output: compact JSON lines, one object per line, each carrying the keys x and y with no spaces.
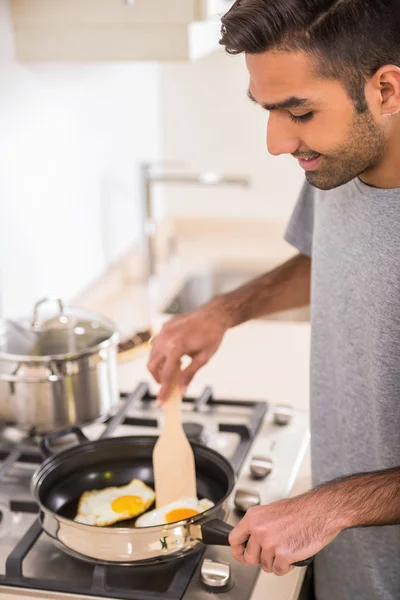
{"x":173,"y":459}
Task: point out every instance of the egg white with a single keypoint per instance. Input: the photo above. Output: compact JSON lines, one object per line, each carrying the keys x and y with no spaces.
{"x":95,"y":506}
{"x":157,"y":516}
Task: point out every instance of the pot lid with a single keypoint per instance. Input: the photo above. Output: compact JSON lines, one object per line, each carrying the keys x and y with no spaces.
{"x":64,"y":332}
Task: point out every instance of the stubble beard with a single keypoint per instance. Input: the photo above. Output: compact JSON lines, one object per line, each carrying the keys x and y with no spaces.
{"x":362,"y":151}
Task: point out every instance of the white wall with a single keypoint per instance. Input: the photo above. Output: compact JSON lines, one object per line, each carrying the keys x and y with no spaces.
{"x":71,"y":138}
{"x":6,"y":37}
{"x":209,"y":121}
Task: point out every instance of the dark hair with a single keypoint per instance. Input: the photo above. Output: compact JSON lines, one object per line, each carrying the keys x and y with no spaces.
{"x":349,"y":39}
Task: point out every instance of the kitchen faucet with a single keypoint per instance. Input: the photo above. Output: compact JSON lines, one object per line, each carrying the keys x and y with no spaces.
{"x":149,"y":177}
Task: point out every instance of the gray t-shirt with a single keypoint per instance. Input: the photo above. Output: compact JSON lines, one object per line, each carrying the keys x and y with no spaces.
{"x":353,"y":235}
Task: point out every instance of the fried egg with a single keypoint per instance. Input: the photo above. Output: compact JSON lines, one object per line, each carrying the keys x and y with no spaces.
{"x":174,"y":511}
{"x":110,"y":505}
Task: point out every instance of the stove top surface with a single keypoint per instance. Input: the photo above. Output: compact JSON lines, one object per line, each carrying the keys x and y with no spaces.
{"x":264,"y":443}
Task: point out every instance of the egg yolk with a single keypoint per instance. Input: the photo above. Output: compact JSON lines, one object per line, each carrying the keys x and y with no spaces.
{"x":180,"y":514}
{"x":133,"y":505}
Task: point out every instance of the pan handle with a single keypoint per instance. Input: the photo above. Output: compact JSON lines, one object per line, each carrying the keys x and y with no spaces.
{"x":216,"y":533}
{"x":45,"y":448}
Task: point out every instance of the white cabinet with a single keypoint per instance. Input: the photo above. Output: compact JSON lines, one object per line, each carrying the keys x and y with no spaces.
{"x":91,"y":30}
{"x":107,"y":12}
{"x":217,"y":7}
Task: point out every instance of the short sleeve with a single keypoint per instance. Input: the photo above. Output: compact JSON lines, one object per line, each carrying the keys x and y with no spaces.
{"x":299,"y":231}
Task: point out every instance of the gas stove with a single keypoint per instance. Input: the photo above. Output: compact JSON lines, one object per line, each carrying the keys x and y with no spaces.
{"x":265,"y":444}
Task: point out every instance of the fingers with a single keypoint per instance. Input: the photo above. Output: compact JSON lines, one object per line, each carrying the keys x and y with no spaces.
{"x":281,"y":565}
{"x":155,"y":362}
{"x":156,"y":367}
{"x":275,"y":535}
{"x":168,"y":376}
{"x":252,"y":545}
{"x":162,"y":365}
{"x":252,"y":553}
{"x":267,"y":559}
{"x":274,"y":561}
{"x":197,"y":335}
{"x":238,"y":538}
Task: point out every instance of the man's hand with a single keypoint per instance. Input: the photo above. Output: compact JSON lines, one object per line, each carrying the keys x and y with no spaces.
{"x":289,"y":531}
{"x":284,"y":532}
{"x":197,"y":334}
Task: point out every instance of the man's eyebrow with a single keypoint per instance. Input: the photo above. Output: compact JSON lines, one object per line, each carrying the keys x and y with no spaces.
{"x":291,"y":102}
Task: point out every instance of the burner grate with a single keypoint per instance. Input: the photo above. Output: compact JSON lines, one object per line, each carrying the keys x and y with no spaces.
{"x":10,"y":455}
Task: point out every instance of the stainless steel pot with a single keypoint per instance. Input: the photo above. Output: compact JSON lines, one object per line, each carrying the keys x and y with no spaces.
{"x":57,"y":371}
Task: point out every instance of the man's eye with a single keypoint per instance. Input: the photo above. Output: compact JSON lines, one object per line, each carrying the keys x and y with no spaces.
{"x":302,"y":118}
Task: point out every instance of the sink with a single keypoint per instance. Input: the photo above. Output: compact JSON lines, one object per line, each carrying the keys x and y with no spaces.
{"x":200,"y":287}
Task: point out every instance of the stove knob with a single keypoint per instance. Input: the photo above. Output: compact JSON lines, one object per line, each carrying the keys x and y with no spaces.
{"x":245,"y":499}
{"x":261,"y":467}
{"x":283,"y":414}
{"x":215,"y":574}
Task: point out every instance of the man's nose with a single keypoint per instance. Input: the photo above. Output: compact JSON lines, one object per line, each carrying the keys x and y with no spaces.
{"x":281,"y":137}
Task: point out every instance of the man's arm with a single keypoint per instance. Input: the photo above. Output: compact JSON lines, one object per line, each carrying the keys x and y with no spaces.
{"x":199,"y":334}
{"x":365,"y":499}
{"x":284,"y":288}
{"x":292,"y":530}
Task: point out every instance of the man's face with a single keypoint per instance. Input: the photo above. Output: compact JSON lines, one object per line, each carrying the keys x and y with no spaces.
{"x":314,"y":119}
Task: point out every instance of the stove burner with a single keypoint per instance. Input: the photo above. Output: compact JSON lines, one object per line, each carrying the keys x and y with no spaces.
{"x":12,"y":434}
{"x":195,"y":433}
{"x":20,"y":437}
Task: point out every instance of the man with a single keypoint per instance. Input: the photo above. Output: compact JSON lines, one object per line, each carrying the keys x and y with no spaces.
{"x":328,"y":73}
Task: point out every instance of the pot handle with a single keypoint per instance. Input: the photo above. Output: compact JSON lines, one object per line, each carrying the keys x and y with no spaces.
{"x":51,"y":437}
{"x":12,"y":378}
{"x":15,"y":378}
{"x":216,"y":533}
{"x":35,"y":321}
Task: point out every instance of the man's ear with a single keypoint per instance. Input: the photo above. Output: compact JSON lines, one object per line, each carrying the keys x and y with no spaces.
{"x":386,"y":82}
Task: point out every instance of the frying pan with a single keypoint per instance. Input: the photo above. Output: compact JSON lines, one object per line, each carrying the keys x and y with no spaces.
{"x":61,"y":479}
